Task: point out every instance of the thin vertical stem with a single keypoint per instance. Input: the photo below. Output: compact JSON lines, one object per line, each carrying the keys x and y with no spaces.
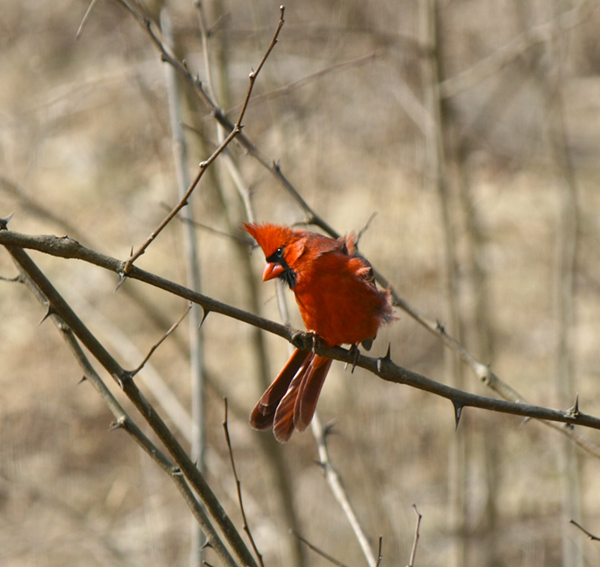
{"x":437,"y":179}
{"x":193,"y":282}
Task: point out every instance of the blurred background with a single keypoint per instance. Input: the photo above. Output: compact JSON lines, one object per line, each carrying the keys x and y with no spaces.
{"x":471,"y":128}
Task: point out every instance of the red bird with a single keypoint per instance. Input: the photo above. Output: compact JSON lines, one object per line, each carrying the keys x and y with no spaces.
{"x":338,"y":301}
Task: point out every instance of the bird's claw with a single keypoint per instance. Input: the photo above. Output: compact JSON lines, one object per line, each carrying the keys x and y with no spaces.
{"x":355,"y":352}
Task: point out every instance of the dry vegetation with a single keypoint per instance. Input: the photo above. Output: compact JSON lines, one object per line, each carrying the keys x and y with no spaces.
{"x":513,"y":273}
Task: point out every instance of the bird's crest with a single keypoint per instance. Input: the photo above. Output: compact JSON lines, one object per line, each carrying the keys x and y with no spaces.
{"x":269,"y":236}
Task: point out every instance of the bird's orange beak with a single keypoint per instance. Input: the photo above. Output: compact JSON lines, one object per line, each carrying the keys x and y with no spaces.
{"x":272,"y":270}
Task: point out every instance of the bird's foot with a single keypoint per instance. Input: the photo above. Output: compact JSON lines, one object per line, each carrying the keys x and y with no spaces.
{"x":355,"y":352}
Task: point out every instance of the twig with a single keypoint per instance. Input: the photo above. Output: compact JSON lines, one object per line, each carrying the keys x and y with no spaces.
{"x":306,"y":80}
{"x":237,"y":128}
{"x":413,"y":552}
{"x":238,"y":486}
{"x":121,"y":344}
{"x":366,"y":227}
{"x":272,"y":166}
{"x":230,"y":164}
{"x":379,"y":552}
{"x":339,"y":492}
{"x":85,"y":18}
{"x":151,"y":351}
{"x":234,"y":216}
{"x":590,"y":536}
{"x":238,"y":239}
{"x":332,"y":560}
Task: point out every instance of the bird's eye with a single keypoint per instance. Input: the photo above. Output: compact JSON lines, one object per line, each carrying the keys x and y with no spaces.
{"x":277,"y":256}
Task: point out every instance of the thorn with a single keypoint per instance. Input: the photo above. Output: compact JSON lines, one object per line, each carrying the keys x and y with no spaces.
{"x":457,"y":412}
{"x":321,"y":464}
{"x":440,"y":327}
{"x":177,"y":472}
{"x":83,"y":379}
{"x":206,"y":545}
{"x":122,"y":278}
{"x":573,"y":411}
{"x":4,"y":221}
{"x":525,"y":421}
{"x":49,"y":311}
{"x":388,"y":354}
{"x":205,"y":313}
{"x":386,"y":358}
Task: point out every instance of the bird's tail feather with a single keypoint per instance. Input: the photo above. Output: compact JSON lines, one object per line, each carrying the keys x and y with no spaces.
{"x":290,"y":402}
{"x":263,"y":413}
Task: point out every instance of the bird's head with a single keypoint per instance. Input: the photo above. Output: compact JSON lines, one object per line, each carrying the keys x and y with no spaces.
{"x":281,"y":245}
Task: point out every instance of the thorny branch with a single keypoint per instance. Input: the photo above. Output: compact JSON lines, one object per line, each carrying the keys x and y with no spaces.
{"x":124,"y":421}
{"x":383,"y":367}
{"x":59,"y":307}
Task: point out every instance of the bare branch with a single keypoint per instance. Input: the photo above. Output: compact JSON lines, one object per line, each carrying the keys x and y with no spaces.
{"x":237,"y":128}
{"x":151,"y":352}
{"x":331,"y":560}
{"x":123,"y":421}
{"x":125,"y":382}
{"x":413,"y":552}
{"x":306,"y":80}
{"x":365,"y":228}
{"x":379,"y":552}
{"x":382,"y":367}
{"x":238,"y":486}
{"x":339,"y":492}
{"x":85,"y":18}
{"x":590,"y":536}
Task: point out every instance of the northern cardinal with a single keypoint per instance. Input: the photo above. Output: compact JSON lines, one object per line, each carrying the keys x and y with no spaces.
{"x":338,"y":301}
